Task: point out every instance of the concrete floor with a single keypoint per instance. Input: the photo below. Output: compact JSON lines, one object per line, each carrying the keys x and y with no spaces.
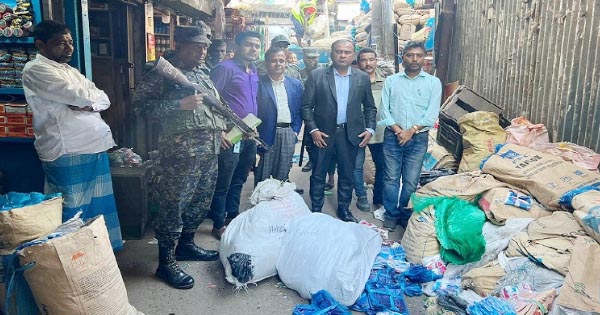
{"x":212,"y":294}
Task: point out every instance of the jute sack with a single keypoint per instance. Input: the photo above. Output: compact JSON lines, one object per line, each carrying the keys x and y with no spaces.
{"x":544,"y":176}
{"x":464,"y":185}
{"x":77,"y":274}
{"x":492,"y":204}
{"x":481,"y":132}
{"x":560,"y":223}
{"x":580,"y":290}
{"x":420,"y":239}
{"x":587,"y":212}
{"x":483,"y":279}
{"x":28,"y":223}
{"x":554,"y":253}
{"x":549,"y":240}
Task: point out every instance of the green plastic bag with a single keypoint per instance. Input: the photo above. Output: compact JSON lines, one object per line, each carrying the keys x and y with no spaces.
{"x":458,"y":225}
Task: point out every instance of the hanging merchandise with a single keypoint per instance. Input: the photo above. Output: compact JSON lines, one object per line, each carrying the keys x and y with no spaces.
{"x":16,"y":21}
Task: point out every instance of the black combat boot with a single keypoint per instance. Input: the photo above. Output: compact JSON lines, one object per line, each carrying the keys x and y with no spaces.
{"x":168,"y":270}
{"x":188,"y":250}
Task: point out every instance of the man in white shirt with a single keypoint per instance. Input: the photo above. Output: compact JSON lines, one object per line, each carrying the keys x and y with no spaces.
{"x":71,"y":138}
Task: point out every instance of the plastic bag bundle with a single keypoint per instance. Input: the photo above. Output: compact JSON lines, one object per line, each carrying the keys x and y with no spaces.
{"x":321,"y":303}
{"x":379,"y":297}
{"x":459,"y":226}
{"x":491,"y":306}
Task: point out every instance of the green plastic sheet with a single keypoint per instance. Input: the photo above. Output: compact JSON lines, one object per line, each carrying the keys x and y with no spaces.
{"x":458,"y":225}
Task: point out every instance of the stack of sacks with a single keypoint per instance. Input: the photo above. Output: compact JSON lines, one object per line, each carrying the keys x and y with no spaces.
{"x":411,"y":23}
{"x":363,"y":23}
{"x":549,"y":241}
{"x":325,"y":43}
{"x":548,"y":178}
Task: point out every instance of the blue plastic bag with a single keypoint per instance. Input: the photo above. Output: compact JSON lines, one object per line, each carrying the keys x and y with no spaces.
{"x":14,"y":200}
{"x":321,"y":303}
{"x":491,"y":306}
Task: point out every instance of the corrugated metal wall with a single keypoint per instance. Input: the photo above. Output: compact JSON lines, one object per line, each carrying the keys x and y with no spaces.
{"x":536,"y":58}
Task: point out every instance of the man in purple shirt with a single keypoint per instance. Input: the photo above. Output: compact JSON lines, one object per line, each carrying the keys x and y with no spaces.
{"x":237,"y":81}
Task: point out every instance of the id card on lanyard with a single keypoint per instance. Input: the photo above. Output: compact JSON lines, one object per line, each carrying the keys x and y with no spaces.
{"x":237,"y":147}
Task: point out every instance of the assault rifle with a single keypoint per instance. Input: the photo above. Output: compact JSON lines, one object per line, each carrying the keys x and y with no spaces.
{"x":167,"y":70}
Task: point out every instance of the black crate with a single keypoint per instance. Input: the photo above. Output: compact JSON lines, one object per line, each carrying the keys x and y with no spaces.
{"x":449,"y":137}
{"x":130,"y":186}
{"x":464,"y":101}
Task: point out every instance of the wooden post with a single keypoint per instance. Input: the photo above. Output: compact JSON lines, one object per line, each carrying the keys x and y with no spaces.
{"x":444,"y":36}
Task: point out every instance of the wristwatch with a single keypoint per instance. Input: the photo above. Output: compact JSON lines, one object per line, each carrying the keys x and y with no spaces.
{"x":416,"y":129}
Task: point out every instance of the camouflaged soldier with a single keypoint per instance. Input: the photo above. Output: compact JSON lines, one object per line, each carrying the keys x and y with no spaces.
{"x":188,"y":146}
{"x":311,"y":62}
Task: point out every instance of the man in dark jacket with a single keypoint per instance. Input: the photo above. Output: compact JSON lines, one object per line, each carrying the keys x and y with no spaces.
{"x":279,"y":102}
{"x":339,"y":112}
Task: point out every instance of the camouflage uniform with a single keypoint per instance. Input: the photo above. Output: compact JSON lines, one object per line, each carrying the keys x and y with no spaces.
{"x":189,"y":145}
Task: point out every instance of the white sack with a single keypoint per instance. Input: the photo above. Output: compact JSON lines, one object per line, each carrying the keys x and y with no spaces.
{"x":323,"y":253}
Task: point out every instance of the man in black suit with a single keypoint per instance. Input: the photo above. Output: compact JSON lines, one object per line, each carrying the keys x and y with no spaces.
{"x":338,"y":124}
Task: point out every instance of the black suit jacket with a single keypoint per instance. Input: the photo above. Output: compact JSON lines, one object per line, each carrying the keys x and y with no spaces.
{"x":319,"y":103}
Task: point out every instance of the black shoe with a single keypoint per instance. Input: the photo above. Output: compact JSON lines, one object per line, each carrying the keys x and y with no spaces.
{"x":307,"y":167}
{"x":188,"y":250}
{"x":389,"y":223}
{"x":169,"y":271}
{"x":363,"y":204}
{"x":347,"y":216}
{"x":329,"y":186}
{"x":300,"y":191}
